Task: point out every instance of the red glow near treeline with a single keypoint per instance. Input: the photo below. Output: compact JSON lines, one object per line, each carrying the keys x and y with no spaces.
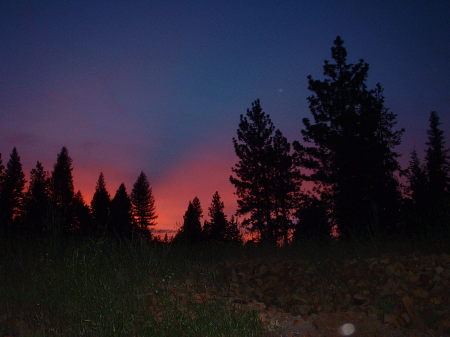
{"x":197,"y":175}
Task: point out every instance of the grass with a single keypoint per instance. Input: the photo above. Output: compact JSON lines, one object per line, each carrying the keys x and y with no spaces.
{"x":101,"y":288}
{"x":105,"y":288}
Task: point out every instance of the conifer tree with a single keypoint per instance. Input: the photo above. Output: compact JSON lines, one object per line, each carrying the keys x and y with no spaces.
{"x":438,"y":173}
{"x":191,"y":231}
{"x":415,"y":205}
{"x":417,"y":180}
{"x":100,"y":205}
{"x":120,"y":223}
{"x":349,"y":147}
{"x":62,"y":193}
{"x":37,"y":200}
{"x":215,"y":229}
{"x":232,"y":233}
{"x":82,"y":220}
{"x":265,"y":177}
{"x":313,"y":221}
{"x":2,"y":172}
{"x":12,"y":196}
{"x":143,"y":206}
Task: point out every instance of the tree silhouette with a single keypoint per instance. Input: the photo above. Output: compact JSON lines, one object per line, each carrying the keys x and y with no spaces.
{"x":313,"y":220}
{"x":12,"y":197}
{"x":266,"y":178}
{"x":143,"y":206}
{"x":215,"y":229}
{"x":232,"y":232}
{"x":437,"y":169}
{"x":191,"y":231}
{"x":82,"y":220}
{"x":62,"y":193}
{"x":100,"y":205}
{"x":416,"y":204}
{"x":349,"y":149}
{"x":2,"y":173}
{"x":120,"y":223}
{"x":37,"y":200}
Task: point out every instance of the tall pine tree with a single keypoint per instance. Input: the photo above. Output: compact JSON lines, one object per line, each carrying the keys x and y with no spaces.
{"x":265,"y":176}
{"x":143,"y":206}
{"x":62,"y":193}
{"x":415,"y":206}
{"x":437,"y":169}
{"x":120,"y":223}
{"x":216,"y":228}
{"x":12,"y":196}
{"x":82,"y":219}
{"x":37,"y":200}
{"x":191,"y":231}
{"x":100,"y":206}
{"x":350,"y":147}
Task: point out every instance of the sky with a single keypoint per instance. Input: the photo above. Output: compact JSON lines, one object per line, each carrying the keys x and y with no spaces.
{"x":158,"y":86}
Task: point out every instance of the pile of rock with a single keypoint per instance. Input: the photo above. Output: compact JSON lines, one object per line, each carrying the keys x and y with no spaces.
{"x":377,"y":295}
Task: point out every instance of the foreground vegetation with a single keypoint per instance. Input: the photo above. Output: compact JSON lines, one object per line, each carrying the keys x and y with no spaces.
{"x":105,"y":288}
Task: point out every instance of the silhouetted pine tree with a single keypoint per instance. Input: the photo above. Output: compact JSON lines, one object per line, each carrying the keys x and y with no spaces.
{"x":266,"y":178}
{"x":416,"y":205}
{"x":437,"y":169}
{"x":37,"y":201}
{"x":2,"y":173}
{"x":191,"y":231}
{"x":12,"y":197}
{"x":120,"y":223}
{"x":62,"y":193}
{"x":232,"y":232}
{"x":351,"y":147}
{"x":215,"y":229}
{"x":143,"y":206}
{"x":100,"y":206}
{"x":82,"y":220}
{"x":313,"y":221}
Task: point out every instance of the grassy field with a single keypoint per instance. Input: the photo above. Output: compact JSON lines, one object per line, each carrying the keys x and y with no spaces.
{"x":101,"y":288}
{"x":105,"y":288}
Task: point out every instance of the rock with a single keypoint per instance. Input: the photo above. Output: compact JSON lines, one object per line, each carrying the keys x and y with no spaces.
{"x":420,"y":292}
{"x":416,"y":320}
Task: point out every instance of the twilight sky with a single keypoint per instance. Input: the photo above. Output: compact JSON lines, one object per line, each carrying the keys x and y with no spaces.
{"x":159,"y":86}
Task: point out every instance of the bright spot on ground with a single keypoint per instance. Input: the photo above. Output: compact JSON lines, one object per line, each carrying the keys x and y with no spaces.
{"x":347,"y":329}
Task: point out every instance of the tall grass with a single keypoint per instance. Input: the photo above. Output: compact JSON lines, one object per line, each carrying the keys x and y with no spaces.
{"x":103,"y":288}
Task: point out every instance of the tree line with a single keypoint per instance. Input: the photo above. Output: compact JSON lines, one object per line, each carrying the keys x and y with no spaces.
{"x":49,"y":206}
{"x":347,"y":154}
{"x":343,"y":179}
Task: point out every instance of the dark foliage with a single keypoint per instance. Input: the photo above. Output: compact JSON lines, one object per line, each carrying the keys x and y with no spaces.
{"x":350,"y":147}
{"x":191,"y":230}
{"x":100,"y":206}
{"x":12,"y":196}
{"x":120,"y":223}
{"x":437,"y":164}
{"x":218,"y":228}
{"x":82,"y":219}
{"x":37,"y":201}
{"x":62,"y":194}
{"x":313,"y":220}
{"x":143,"y":206}
{"x":214,"y":230}
{"x":265,"y":177}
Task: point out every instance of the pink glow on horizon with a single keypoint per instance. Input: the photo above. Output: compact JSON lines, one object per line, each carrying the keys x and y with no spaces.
{"x":199,"y":173}
{"x":195,"y":176}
